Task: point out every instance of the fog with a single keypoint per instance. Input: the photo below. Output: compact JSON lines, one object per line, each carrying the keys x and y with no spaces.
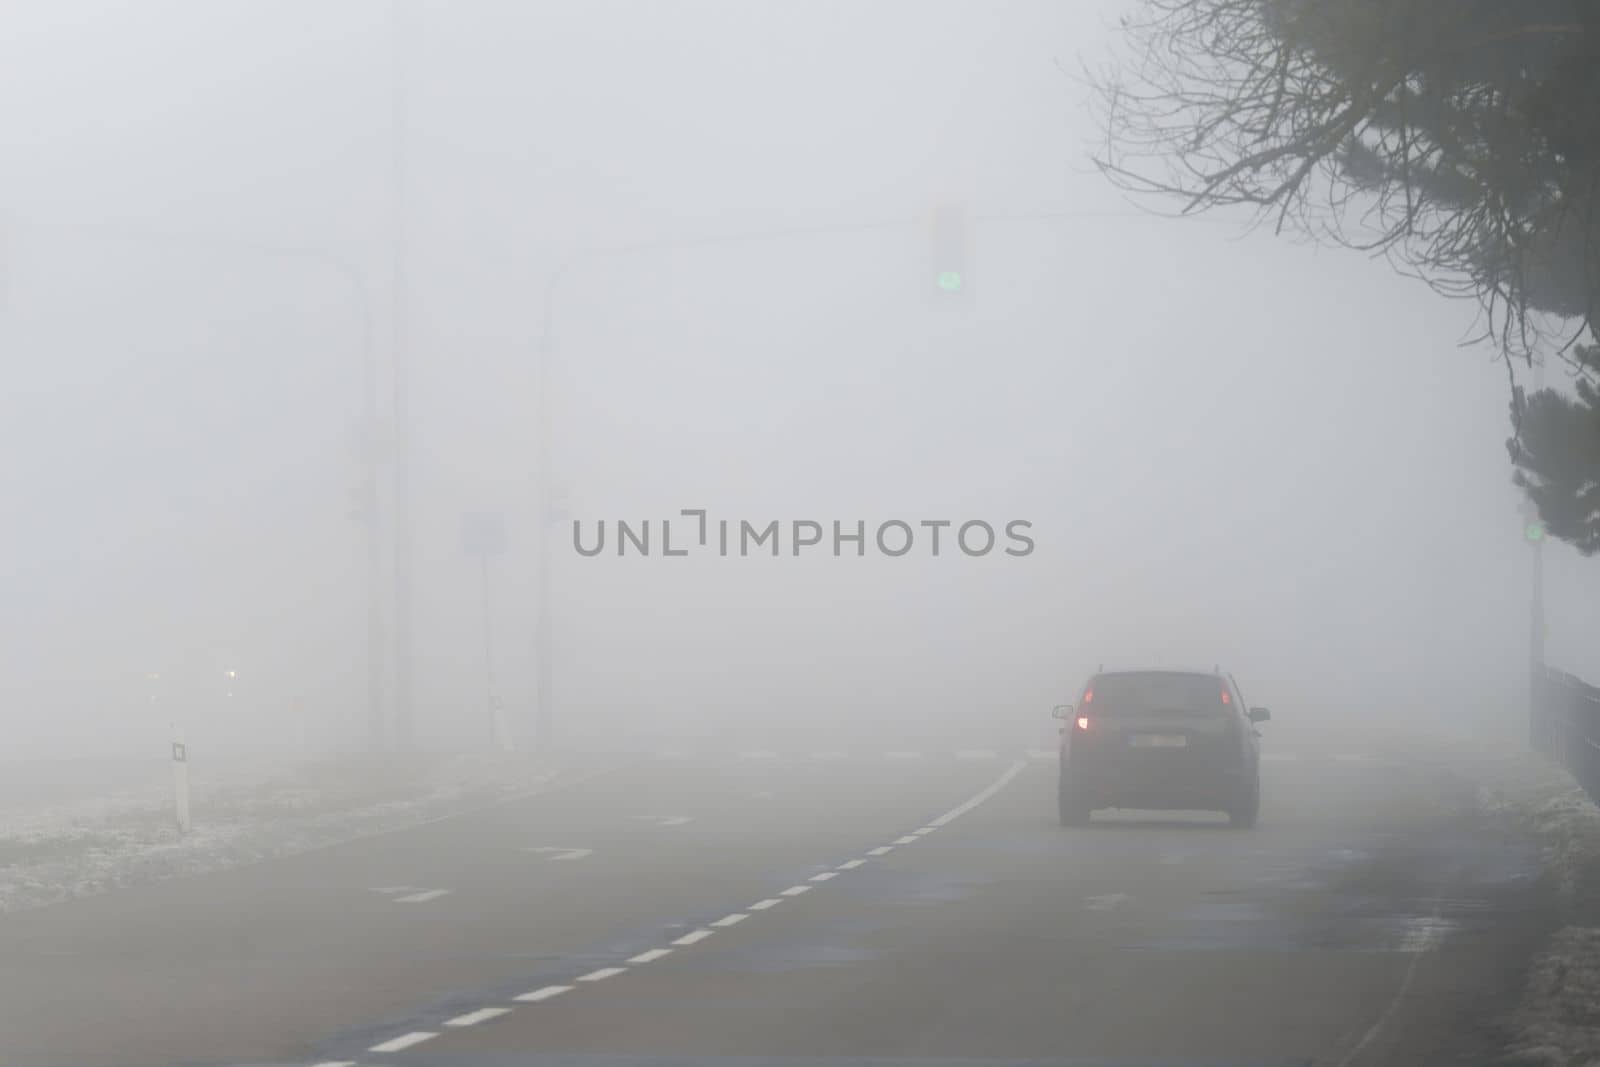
{"x":1231,"y":449}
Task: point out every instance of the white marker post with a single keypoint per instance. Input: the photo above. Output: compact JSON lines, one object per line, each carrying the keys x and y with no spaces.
{"x":180,"y":778}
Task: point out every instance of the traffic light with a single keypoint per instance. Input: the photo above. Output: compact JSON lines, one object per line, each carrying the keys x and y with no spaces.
{"x":952,"y":252}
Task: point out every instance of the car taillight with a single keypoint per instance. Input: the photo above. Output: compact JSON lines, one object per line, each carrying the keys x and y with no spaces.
{"x":1226,"y":699}
{"x":1083,"y":722}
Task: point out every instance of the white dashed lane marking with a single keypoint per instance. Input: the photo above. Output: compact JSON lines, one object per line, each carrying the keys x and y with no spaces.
{"x":543,"y":993}
{"x":405,"y":1041}
{"x":906,"y":840}
{"x":473,"y":1018}
{"x":602,"y":974}
{"x":693,"y":938}
{"x":1421,"y":938}
{"x":422,"y":898}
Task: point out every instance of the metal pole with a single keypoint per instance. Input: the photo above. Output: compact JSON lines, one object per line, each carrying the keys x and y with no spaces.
{"x":488,"y":657}
{"x":403,"y":710}
{"x":376,"y":726}
{"x":544,"y":714}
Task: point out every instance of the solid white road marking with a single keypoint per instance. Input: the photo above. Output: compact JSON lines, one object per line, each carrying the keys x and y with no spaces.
{"x":1106,"y":901}
{"x":651,"y":956}
{"x":562,"y":853}
{"x":881,"y":850}
{"x":1041,"y":753}
{"x":335,"y":1063}
{"x":602,"y":974}
{"x":473,"y":1018}
{"x":729,"y":920}
{"x":795,"y":890}
{"x":850,"y":865}
{"x":999,"y":784}
{"x":906,"y":840}
{"x":422,"y":898}
{"x":405,"y":1041}
{"x":543,"y":993}
{"x":693,"y":937}
{"x":924,"y":830}
{"x":666,"y":820}
{"x":823,"y":877}
{"x":763,"y":905}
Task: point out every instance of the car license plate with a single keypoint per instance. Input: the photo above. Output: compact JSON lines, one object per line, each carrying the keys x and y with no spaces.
{"x":1158,"y":741}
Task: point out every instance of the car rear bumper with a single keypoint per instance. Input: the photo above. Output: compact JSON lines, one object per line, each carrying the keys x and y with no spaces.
{"x":1157,"y":785}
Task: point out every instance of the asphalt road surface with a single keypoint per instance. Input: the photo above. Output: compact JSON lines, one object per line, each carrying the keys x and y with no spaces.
{"x":816,"y":908}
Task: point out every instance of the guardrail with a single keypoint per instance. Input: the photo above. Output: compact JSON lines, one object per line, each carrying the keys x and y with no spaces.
{"x":1565,"y":725}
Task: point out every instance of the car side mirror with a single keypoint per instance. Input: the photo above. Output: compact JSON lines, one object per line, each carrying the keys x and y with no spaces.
{"x":1061,"y":711}
{"x":1259,"y":714}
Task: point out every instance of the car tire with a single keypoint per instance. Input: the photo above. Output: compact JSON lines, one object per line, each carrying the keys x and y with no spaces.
{"x":1073,"y":809}
{"x":1247,"y":810}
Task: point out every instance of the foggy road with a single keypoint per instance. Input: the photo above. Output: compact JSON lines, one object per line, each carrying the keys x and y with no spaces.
{"x":829,"y":906}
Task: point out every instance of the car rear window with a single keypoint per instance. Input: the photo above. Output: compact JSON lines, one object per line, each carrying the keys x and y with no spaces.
{"x":1145,"y":691}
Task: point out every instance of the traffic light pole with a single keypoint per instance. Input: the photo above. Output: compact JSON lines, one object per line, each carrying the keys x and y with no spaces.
{"x":544,"y":710}
{"x":403,"y":709}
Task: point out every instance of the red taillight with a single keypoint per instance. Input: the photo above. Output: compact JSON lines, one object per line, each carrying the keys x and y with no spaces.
{"x":1226,"y":699}
{"x":1088,"y":696}
{"x":1083,"y":722}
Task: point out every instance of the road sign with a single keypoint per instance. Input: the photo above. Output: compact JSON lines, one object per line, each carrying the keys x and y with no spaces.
{"x":483,"y":534}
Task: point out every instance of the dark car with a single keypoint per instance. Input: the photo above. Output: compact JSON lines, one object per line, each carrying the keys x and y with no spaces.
{"x":1160,"y":740}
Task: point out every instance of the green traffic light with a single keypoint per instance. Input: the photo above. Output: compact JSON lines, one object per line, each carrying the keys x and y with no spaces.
{"x":1534,"y":531}
{"x":950,"y":281}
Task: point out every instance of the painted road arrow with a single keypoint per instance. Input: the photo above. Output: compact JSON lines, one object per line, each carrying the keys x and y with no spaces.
{"x":563,"y":853}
